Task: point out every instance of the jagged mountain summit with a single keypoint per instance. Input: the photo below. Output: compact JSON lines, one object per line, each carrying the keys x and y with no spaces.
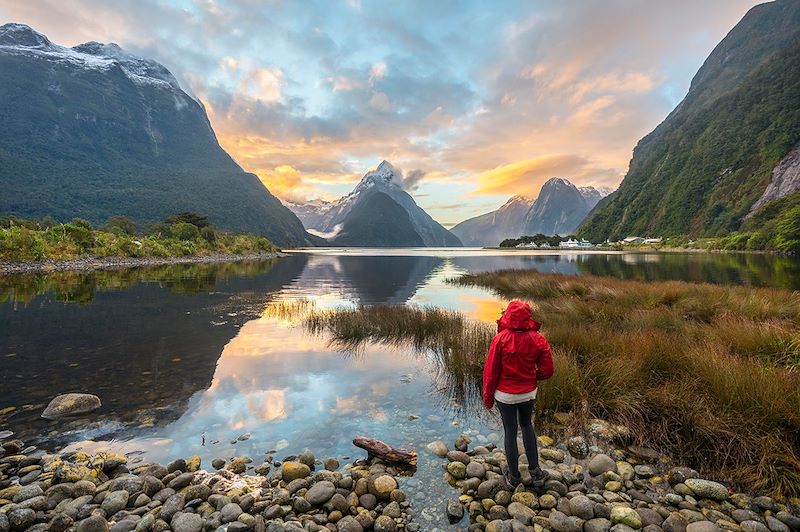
{"x":377,"y":213}
{"x":559,"y":208}
{"x":725,"y":159}
{"x":93,"y":131}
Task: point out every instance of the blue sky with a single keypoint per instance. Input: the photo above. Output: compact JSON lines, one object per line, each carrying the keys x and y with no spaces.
{"x":475,"y":101}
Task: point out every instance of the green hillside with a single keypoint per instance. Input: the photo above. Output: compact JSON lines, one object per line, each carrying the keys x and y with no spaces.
{"x":701,"y":170}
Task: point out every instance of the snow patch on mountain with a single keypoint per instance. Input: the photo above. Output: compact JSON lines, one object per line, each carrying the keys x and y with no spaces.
{"x":20,"y":39}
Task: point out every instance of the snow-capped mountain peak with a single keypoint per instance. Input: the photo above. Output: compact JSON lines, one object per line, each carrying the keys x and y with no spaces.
{"x":20,"y":39}
{"x":384,"y":175}
{"x":22,"y":35}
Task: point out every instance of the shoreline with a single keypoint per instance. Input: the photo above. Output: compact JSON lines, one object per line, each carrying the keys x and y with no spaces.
{"x":112,"y":263}
{"x":612,"y":486}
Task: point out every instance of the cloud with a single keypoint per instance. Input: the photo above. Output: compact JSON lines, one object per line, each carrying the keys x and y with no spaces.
{"x":527,"y":177}
{"x":412,"y":178}
{"x":310,"y":95}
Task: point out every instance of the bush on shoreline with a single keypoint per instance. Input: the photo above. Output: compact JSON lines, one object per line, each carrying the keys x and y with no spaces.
{"x":31,"y":240}
{"x":707,"y":373}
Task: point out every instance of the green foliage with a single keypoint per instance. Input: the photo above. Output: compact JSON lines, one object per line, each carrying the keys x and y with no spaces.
{"x":185,"y":231}
{"x":700,"y":171}
{"x":121,"y":225}
{"x":787,"y":237}
{"x":80,"y":222}
{"x":25,"y":240}
{"x":193,"y":218}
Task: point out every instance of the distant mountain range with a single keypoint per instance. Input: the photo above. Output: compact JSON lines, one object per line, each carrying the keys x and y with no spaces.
{"x":727,"y":158}
{"x":93,"y":131}
{"x":559,"y":209}
{"x":377,"y":213}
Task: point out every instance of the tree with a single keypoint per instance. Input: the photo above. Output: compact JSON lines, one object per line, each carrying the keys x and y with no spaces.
{"x":197,"y":220}
{"x":185,"y":231}
{"x":121,"y":224}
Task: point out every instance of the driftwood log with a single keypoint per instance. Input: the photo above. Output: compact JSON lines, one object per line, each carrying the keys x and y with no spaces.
{"x":386,"y":452}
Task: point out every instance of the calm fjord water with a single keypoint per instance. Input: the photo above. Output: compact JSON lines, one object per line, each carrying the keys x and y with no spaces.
{"x":187,"y":359}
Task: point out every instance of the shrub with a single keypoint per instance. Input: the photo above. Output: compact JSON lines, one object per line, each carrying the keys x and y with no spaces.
{"x":185,"y":231}
{"x":121,"y":225}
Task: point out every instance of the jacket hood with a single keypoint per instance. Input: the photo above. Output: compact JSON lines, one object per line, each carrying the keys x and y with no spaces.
{"x":517,"y":316}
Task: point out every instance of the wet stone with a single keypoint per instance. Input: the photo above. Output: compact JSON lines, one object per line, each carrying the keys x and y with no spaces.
{"x":475,"y":469}
{"x":702,"y":526}
{"x":597,"y":524}
{"x":95,"y":523}
{"x":601,"y":463}
{"x":186,"y":522}
{"x":753,"y":526}
{"x":455,"y":512}
{"x":707,"y":489}
{"x":560,"y":522}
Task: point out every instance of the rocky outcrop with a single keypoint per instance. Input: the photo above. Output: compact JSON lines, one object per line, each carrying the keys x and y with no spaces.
{"x":785,"y":180}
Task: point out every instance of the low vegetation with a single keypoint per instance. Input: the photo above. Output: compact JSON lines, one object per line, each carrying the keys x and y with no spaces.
{"x":179,"y":235}
{"x":707,"y":373}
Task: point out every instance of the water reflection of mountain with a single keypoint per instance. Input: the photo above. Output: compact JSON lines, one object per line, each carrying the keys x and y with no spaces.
{"x":144,"y":348}
{"x":368,"y":279}
{"x":566,"y":264}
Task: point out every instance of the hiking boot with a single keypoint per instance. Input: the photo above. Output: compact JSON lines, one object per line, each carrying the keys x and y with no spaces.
{"x":512,"y":481}
{"x":537,"y":477}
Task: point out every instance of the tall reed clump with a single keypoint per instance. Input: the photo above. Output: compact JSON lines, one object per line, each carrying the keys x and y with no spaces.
{"x":707,"y":373}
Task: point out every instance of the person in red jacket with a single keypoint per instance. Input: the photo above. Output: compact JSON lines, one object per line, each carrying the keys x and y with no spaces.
{"x":519,"y":357}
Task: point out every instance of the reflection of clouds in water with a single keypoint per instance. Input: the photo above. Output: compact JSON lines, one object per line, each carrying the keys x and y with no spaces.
{"x":278,"y":382}
{"x":268,"y":405}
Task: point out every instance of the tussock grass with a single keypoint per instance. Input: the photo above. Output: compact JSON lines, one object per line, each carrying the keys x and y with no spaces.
{"x":707,"y":373}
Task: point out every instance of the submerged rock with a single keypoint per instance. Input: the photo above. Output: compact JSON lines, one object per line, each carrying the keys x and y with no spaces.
{"x":71,"y":404}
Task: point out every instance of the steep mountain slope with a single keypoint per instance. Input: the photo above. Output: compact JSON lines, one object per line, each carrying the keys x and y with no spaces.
{"x":493,"y":227}
{"x":379,"y":222}
{"x":701,"y":171}
{"x":93,"y":131}
{"x":558,"y":210}
{"x":331,"y":219}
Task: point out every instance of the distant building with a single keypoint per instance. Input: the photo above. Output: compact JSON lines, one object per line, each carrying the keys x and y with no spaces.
{"x":572,"y":243}
{"x":527,"y":245}
{"x":652,"y":240}
{"x":633,"y":240}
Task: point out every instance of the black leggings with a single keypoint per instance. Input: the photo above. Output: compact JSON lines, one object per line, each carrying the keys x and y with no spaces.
{"x":519,"y":414}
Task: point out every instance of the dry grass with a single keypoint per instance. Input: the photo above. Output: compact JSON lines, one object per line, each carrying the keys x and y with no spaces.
{"x":707,"y":373}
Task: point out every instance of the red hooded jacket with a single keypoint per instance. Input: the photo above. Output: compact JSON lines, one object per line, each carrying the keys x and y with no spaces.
{"x":519,"y":356}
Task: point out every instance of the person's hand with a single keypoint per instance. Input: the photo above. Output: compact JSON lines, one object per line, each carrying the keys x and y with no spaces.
{"x":488,"y":404}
